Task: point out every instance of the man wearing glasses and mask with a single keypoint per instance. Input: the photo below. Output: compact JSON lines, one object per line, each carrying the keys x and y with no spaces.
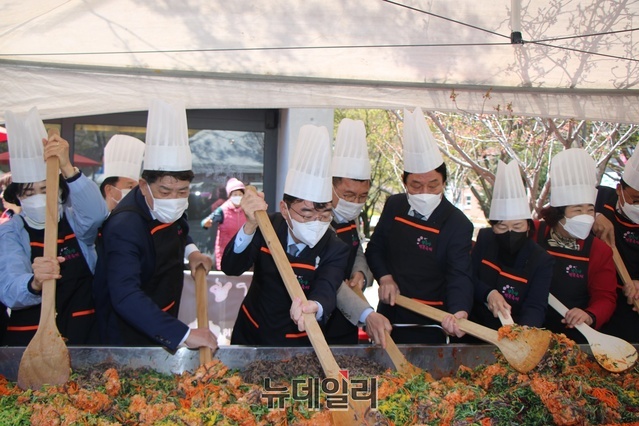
{"x":317,"y":257}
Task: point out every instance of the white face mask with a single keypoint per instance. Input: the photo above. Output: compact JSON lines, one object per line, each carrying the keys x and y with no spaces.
{"x":236,"y":199}
{"x":34,"y":210}
{"x":579,"y":226}
{"x":424,"y":204}
{"x":630,"y":210}
{"x":347,"y":210}
{"x":168,"y":210}
{"x":123,"y":193}
{"x":310,"y":232}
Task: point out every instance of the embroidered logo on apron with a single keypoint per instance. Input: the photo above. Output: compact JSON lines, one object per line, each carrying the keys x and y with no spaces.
{"x":574,"y":271}
{"x":424,"y":243}
{"x":631,"y":237}
{"x":510,"y":292}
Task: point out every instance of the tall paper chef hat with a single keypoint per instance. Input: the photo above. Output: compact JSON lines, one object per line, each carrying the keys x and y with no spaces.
{"x":572,"y":178}
{"x":421,"y":153}
{"x":631,"y":171}
{"x":25,"y":132}
{"x":123,"y":157}
{"x":167,"y":138}
{"x":350,"y":156}
{"x":509,"y":195}
{"x":309,"y":174}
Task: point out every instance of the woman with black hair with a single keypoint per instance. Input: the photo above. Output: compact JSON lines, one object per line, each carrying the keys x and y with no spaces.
{"x":511,"y":273}
{"x":584,"y":277}
{"x":23,"y":269}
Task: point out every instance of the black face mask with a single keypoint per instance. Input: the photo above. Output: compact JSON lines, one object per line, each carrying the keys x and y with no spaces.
{"x":511,"y":241}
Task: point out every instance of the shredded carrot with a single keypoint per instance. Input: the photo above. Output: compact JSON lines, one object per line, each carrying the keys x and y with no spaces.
{"x":606,"y":396}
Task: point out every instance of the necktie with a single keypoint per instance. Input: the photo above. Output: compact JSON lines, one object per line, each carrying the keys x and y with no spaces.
{"x":292,"y":250}
{"x":418,"y":215}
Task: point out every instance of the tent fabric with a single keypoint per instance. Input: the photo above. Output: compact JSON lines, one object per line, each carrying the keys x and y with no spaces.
{"x":74,"y":58}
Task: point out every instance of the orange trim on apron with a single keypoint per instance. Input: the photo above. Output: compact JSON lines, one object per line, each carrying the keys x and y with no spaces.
{"x":169,"y":306}
{"x":250,"y":317}
{"x":293,"y":265}
{"x":414,"y":225}
{"x":60,"y":241}
{"x":567,"y":256}
{"x":83,"y":313}
{"x":22,"y":328}
{"x":160,"y":227}
{"x":629,"y":225}
{"x":429,"y":302}
{"x":504,"y":274}
{"x":346,"y":229}
{"x":295,"y":335}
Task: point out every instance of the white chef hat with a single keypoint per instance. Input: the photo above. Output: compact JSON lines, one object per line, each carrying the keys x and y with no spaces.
{"x":123,"y":157}
{"x":509,"y":195}
{"x":572,"y":178}
{"x":350,"y":156}
{"x":167,"y":138}
{"x":421,"y":153}
{"x":631,"y":171}
{"x":309,"y":174}
{"x":25,"y":132}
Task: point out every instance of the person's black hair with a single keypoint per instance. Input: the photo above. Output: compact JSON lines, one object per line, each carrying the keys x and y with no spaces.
{"x":442,"y":170}
{"x":151,"y":176}
{"x":552,"y":215}
{"x":111,"y":180}
{"x":531,"y":226}
{"x":290,"y":200}
{"x":15,"y":190}
{"x":623,"y":183}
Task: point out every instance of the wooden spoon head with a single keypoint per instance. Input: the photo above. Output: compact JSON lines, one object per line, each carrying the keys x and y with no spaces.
{"x":527,"y":349}
{"x":45,"y":360}
{"x":614,"y":354}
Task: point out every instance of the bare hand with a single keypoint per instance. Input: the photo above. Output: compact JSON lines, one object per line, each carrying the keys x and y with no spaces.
{"x":298,"y":309}
{"x":576,"y":316}
{"x":450,"y":325}
{"x":55,"y":146}
{"x":207,"y":223}
{"x":251,"y":202}
{"x":377,"y":325}
{"x":388,"y":289}
{"x":357,"y":280}
{"x":631,"y":292}
{"x":496,"y":303}
{"x":604,"y":229}
{"x":196,"y":259}
{"x":201,"y":338}
{"x":45,"y":268}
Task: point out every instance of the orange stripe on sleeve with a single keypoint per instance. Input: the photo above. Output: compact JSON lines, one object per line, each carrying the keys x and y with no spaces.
{"x":83,"y":313}
{"x":169,"y":306}
{"x":22,"y":328}
{"x":296,"y":335}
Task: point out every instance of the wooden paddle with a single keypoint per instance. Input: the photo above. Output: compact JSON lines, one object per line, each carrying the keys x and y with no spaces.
{"x":612,"y":353}
{"x":46,"y":358}
{"x":202,"y":304}
{"x":357,"y":411}
{"x":397,"y":357}
{"x":622,"y":271}
{"x":523,"y":353}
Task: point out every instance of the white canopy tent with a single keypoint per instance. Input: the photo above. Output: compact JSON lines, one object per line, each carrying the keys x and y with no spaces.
{"x":73,"y":58}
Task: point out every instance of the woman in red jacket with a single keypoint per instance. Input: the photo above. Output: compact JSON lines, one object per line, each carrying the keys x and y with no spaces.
{"x":584,"y":277}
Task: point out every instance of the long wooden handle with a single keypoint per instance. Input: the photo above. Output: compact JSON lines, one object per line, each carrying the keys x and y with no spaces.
{"x":202,"y":304}
{"x":47,"y":312}
{"x":313,"y":330}
{"x":484,"y":333}
{"x":622,"y":271}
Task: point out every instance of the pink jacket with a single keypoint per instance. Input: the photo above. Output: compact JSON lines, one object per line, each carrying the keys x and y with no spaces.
{"x":233,"y":220}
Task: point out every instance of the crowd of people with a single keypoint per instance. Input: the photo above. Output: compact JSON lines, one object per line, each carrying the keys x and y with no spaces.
{"x":122,"y":246}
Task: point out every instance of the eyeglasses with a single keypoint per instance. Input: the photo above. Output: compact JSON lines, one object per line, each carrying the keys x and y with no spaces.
{"x":352,"y":197}
{"x":322,"y":217}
